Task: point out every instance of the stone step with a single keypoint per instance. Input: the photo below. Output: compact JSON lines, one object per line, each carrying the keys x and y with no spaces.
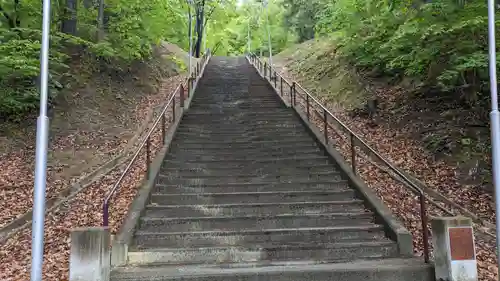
{"x":255,"y":170}
{"x":250,"y":98}
{"x":243,"y":153}
{"x":341,"y":185}
{"x":223,"y":255}
{"x":241,"y":209}
{"x":288,"y":236}
{"x":188,"y":224}
{"x":276,"y":140}
{"x":244,"y":127}
{"x":238,"y":117}
{"x":393,"y":269}
{"x":276,"y":145}
{"x":259,"y":104}
{"x":236,"y":113}
{"x":255,"y":173}
{"x":176,"y":155}
{"x":265,"y":179}
{"x":243,"y":131}
{"x":307,"y":148}
{"x":304,"y":160}
{"x":189,"y":198}
{"x":250,"y":124}
{"x":260,"y":135}
{"x":221,"y":123}
{"x":267,"y":162}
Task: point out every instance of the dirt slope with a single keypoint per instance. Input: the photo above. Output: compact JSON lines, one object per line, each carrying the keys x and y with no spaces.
{"x":89,"y":125}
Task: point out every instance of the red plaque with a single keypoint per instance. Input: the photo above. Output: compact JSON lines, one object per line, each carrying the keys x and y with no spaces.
{"x":461,"y":243}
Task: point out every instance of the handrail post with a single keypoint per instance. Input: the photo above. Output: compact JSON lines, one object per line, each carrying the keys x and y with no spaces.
{"x":181,"y":96}
{"x":275,"y":79}
{"x":148,"y":157}
{"x":105,"y":214}
{"x":281,"y":85}
{"x":307,"y":105}
{"x":163,"y":128}
{"x":173,"y":111}
{"x":294,"y":91}
{"x":353,"y":154}
{"x":425,"y":228}
{"x":265,"y":69}
{"x":325,"y":129}
{"x":188,"y":87}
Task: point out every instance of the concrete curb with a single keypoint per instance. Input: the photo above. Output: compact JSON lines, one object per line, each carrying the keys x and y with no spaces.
{"x":393,"y":228}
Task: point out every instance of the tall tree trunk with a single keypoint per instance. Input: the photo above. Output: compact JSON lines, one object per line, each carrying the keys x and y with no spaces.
{"x":199,"y":28}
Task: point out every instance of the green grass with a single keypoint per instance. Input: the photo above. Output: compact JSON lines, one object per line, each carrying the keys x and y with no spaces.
{"x":317,"y":67}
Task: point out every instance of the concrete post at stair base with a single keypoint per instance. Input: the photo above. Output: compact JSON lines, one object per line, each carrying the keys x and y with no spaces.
{"x":119,"y":252}
{"x":89,"y":254}
{"x":454,"y":250}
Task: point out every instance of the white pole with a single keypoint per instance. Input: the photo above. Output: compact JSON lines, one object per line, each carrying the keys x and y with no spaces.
{"x":268,"y":33}
{"x":495,"y":118}
{"x":42,"y":136}
{"x":190,"y":43}
{"x":269,"y":36}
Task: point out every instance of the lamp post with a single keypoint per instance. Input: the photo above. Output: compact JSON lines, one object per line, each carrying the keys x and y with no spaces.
{"x":268,"y":33}
{"x":190,"y":34}
{"x":42,"y":137}
{"x":495,"y":118}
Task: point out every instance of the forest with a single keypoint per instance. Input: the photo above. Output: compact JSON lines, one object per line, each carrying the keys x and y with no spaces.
{"x":414,"y":39}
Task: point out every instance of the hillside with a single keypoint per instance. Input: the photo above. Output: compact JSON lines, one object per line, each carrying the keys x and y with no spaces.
{"x":91,"y":122}
{"x":441,"y":143}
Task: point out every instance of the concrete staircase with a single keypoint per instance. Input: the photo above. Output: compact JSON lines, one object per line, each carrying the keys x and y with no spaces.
{"x":245,"y":193}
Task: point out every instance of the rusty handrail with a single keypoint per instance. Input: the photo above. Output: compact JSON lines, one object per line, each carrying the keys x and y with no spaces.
{"x":267,"y":71}
{"x":188,"y":85}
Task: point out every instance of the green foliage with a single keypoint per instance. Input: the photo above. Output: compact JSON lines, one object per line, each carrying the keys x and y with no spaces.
{"x":228,"y":32}
{"x":134,"y":27}
{"x":442,"y":44}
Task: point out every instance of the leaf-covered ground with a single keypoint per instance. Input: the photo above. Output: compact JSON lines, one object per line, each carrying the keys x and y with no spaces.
{"x":83,"y":210}
{"x":402,"y":149}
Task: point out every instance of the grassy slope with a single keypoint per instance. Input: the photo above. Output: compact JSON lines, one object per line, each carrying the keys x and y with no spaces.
{"x":445,"y":128}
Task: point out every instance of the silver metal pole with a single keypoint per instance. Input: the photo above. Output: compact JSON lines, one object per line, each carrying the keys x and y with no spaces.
{"x":42,"y":136}
{"x":495,"y":118}
{"x":269,"y":36}
{"x":190,"y":43}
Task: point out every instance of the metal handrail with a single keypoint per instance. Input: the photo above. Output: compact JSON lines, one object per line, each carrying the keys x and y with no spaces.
{"x":355,"y":140}
{"x":188,"y":84}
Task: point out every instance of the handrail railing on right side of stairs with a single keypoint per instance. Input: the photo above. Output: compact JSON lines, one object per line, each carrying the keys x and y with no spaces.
{"x":295,"y":89}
